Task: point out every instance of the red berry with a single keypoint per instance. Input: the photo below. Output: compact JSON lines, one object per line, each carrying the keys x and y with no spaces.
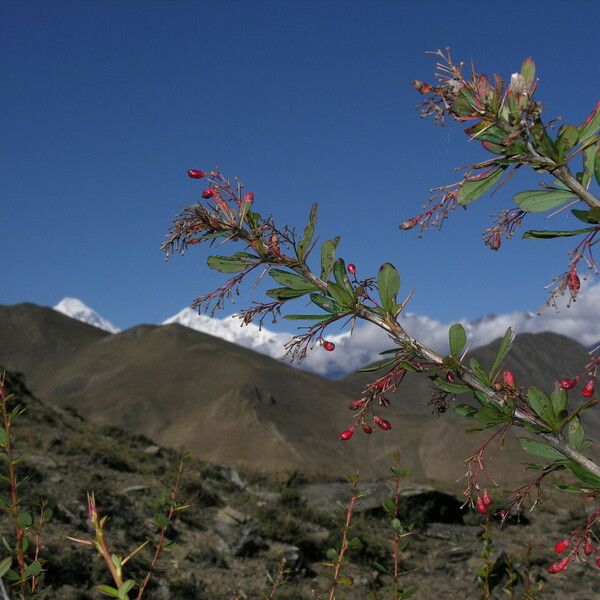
{"x":421,"y":86}
{"x":568,"y":384}
{"x":598,"y":561}
{"x":450,"y":377}
{"x":249,"y":197}
{"x":481,"y":507}
{"x":561,"y":546}
{"x":588,"y":389}
{"x":352,"y":268}
{"x":329,"y":346}
{"x":356,"y":404}
{"x":496,"y":241}
{"x":367,"y":428}
{"x":561,"y":565}
{"x":208,"y":193}
{"x":346,"y":435}
{"x":382,"y":423}
{"x":509,"y":379}
{"x":195,"y":174}
{"x":588,"y":547}
{"x":487,"y":500}
{"x":573,"y":282}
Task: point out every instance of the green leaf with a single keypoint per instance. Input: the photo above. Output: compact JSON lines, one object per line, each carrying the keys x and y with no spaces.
{"x":354,"y":544}
{"x":12,"y":575}
{"x":237,"y":263}
{"x":328,"y":256}
{"x":474,"y":188}
{"x":567,"y":138}
{"x":503,"y":350}
{"x":534,"y":234}
{"x":341,"y":276}
{"x":388,"y":284}
{"x":381,"y":568}
{"x":528,"y":70}
{"x":161,"y":520}
{"x":597,"y":165}
{"x":345,"y":580}
{"x":25,"y":520}
{"x":453,"y":388}
{"x":541,"y":405}
{"x":591,"y":125}
{"x":5,"y":564}
{"x":559,"y":399}
{"x":285,"y":293}
{"x":326,"y":303}
{"x":32,"y":570}
{"x":589,"y":478}
{"x":458,"y":339}
{"x":108,"y":590}
{"x":376,"y":366}
{"x":292,"y":280}
{"x":306,"y":317}
{"x":569,"y":489}
{"x":464,"y":410}
{"x":588,"y":216}
{"x":541,"y":200}
{"x":479,"y":372}
{"x":575,"y":434}
{"x":589,"y":158}
{"x":125,"y":588}
{"x":340,"y":295}
{"x":309,"y":230}
{"x":489,"y":416}
{"x":3,"y":437}
{"x":541,"y":449}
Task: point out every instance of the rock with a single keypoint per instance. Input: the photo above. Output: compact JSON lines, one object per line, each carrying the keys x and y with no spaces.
{"x":152,"y":450}
{"x":230,"y":516}
{"x":419,"y":506}
{"x":232,"y":476}
{"x":248,"y":542}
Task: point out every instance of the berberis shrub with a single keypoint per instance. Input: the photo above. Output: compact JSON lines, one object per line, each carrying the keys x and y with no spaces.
{"x":507,"y":121}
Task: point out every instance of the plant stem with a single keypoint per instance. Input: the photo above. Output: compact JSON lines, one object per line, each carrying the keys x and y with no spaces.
{"x":344,"y":546}
{"x":563,"y":174}
{"x":161,"y":538}
{"x":13,"y":483}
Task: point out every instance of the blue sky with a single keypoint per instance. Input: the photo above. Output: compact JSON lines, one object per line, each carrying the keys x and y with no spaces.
{"x":105,"y":106}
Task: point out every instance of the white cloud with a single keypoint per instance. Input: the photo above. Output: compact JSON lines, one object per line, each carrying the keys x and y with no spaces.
{"x":580,"y":321}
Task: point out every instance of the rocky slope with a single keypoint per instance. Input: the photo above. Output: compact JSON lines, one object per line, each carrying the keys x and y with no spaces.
{"x":240,"y":525}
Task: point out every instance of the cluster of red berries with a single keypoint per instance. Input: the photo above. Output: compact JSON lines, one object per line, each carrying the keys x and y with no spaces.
{"x":382,"y":423}
{"x":211,"y":192}
{"x":483,"y":502}
{"x":568,"y":383}
{"x":562,"y":545}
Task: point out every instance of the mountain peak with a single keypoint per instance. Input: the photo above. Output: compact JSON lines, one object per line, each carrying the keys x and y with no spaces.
{"x":76,"y":309}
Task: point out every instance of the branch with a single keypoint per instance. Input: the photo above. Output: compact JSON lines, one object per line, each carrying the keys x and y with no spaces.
{"x":564,"y":175}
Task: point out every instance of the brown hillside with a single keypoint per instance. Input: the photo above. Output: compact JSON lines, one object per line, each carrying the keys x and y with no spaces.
{"x":226,"y":403}
{"x":36,"y":339}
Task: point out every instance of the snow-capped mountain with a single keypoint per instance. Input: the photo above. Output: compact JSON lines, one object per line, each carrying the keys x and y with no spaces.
{"x":76,"y":309}
{"x":581,"y":322}
{"x":231,"y":329}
